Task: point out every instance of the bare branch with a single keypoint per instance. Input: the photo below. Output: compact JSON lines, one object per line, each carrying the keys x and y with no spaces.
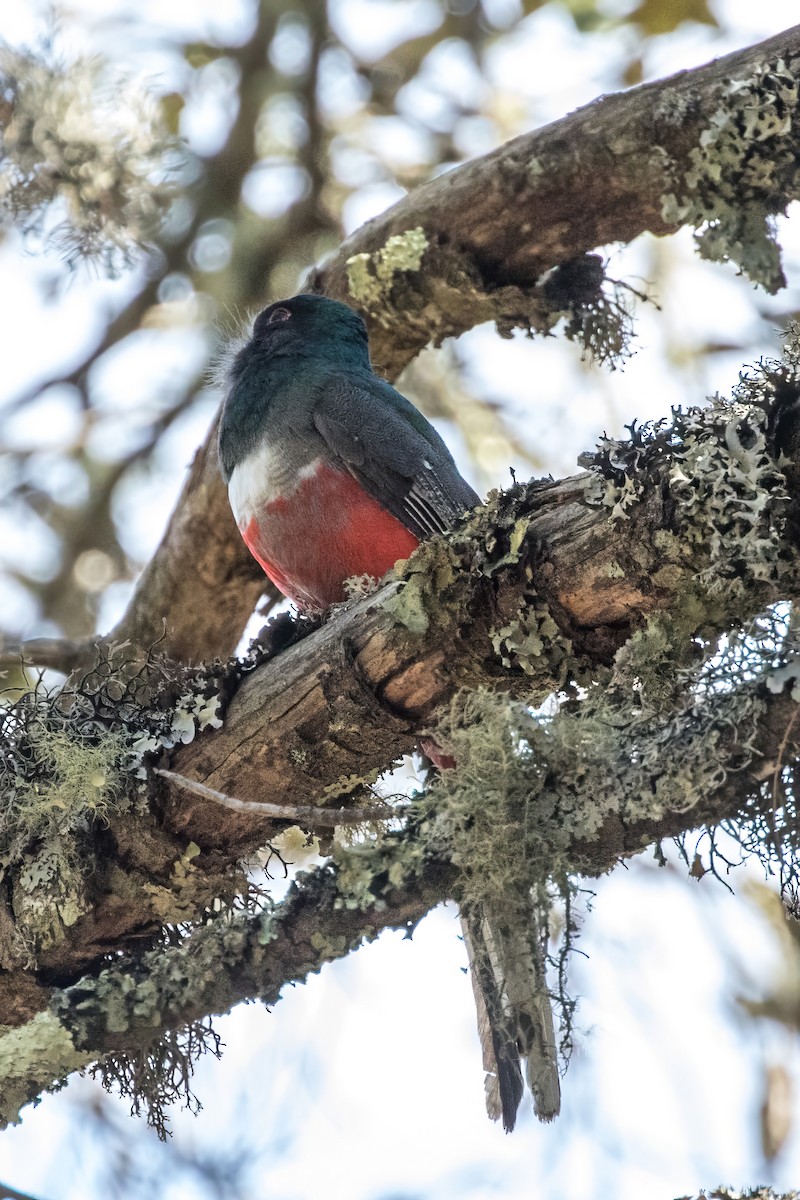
{"x":308,"y":815}
{"x":58,"y":653}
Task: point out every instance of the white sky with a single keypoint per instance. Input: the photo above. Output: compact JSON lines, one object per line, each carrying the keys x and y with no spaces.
{"x":366,"y":1082}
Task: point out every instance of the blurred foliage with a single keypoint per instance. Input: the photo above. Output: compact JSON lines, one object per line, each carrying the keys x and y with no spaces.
{"x":775,"y":1001}
{"x":114,"y":1161}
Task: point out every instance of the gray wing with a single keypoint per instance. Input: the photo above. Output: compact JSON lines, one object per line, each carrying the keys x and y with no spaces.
{"x":395,"y":454}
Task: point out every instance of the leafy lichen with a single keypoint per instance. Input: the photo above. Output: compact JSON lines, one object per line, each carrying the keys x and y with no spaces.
{"x":723,"y":473}
{"x":371,"y":276}
{"x":31,"y":1056}
{"x":742,"y":172}
{"x":533,"y":643}
{"x":69,"y":763}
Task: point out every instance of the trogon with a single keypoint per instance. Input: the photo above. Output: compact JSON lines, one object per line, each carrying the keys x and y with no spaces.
{"x":332,"y":473}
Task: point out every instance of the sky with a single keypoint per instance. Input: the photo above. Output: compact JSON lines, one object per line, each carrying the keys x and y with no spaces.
{"x":366,"y":1081}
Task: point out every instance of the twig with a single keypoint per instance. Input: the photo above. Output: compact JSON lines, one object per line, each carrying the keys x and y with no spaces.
{"x":59,"y":653}
{"x":9,"y":1193}
{"x":286,"y":812}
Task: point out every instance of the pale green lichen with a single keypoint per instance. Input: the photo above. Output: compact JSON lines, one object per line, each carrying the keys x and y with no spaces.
{"x":724,"y":476}
{"x":68,"y":762}
{"x":731,"y":496}
{"x":530,"y":784}
{"x":358,"y":586}
{"x":49,"y":894}
{"x":366,"y":871}
{"x":426,"y":588}
{"x":743,"y":171}
{"x":90,"y":140}
{"x":664,"y":736}
{"x":533,"y":643}
{"x":408,"y":605}
{"x":346,"y":785}
{"x":39,"y":1054}
{"x":183,"y":868}
{"x":68,"y":782}
{"x":516,"y":538}
{"x":269,"y":927}
{"x":371,"y":277}
{"x":329,"y":947}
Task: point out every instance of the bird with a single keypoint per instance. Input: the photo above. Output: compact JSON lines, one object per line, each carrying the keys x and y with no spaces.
{"x":333,"y":474}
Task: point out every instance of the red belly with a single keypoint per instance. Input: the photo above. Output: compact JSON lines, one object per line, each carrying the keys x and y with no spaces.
{"x":326,"y":531}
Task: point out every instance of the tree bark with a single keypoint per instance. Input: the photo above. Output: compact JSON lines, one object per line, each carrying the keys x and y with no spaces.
{"x":547,"y":561}
{"x":126,"y":1007}
{"x":494,"y":228}
{"x":543,"y":586}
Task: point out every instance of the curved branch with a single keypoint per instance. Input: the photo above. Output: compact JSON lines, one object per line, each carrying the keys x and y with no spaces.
{"x":536,"y":587}
{"x":610,"y":171}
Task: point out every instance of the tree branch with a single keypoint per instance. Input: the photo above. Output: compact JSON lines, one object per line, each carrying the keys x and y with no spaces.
{"x":327,"y":913}
{"x":549,"y":584}
{"x":311,"y":816}
{"x":622,"y":165}
{"x":60,"y":654}
{"x":544,"y":585}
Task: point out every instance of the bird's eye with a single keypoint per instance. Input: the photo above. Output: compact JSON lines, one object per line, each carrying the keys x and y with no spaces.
{"x":279,"y":314}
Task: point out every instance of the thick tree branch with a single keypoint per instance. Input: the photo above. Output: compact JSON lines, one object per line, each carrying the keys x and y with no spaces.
{"x":542,"y":586}
{"x":604,"y":174}
{"x":127,"y":1006}
{"x":492,"y":230}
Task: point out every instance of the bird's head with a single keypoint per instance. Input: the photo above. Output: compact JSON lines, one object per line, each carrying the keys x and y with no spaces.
{"x":295,"y":344}
{"x":309,"y":326}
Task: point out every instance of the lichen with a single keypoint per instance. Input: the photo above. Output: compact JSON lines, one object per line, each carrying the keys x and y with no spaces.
{"x":96,"y":143}
{"x":371,"y":277}
{"x":675,"y":721}
{"x":723,"y":472}
{"x":136,"y":1006}
{"x":426,"y":590}
{"x":532,"y":638}
{"x":69,"y":762}
{"x":56,"y":781}
{"x":65,"y":779}
{"x":357,"y":586}
{"x":367,"y":871}
{"x":346,"y":785}
{"x":160,"y":1075}
{"x":39,"y":1054}
{"x":742,"y":172}
{"x":530,"y":784}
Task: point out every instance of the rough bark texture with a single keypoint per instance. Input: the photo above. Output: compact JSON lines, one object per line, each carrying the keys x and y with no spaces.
{"x":493,"y":228}
{"x":339,"y":706}
{"x":254,"y":957}
{"x":541,"y":586}
{"x":332,"y":711}
{"x":500,"y":223}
